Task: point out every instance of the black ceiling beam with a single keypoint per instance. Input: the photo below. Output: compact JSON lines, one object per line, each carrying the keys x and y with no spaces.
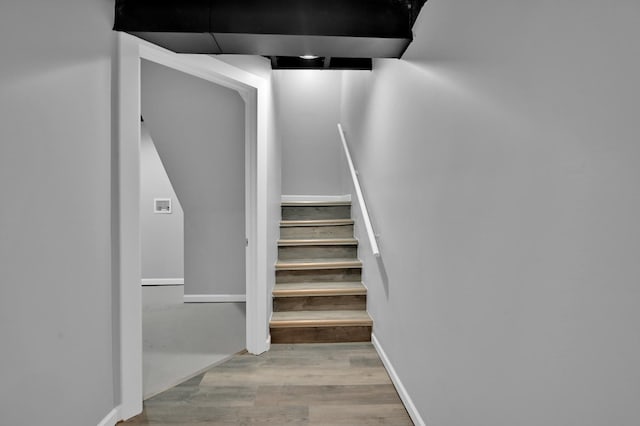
{"x":163,"y":15}
{"x":353,"y":18}
{"x":327,"y":28}
{"x":344,"y":33}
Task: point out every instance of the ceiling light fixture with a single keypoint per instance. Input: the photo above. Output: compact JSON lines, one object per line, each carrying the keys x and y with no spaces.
{"x":309,"y":57}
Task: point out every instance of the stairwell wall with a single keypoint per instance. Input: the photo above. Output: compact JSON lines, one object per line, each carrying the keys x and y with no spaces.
{"x":500,"y":163}
{"x":56,"y":311}
{"x":308,"y":108}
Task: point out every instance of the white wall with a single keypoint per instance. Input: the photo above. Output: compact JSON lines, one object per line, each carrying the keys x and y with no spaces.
{"x":308,"y":111}
{"x":198,"y":130}
{"x":162,"y":235}
{"x":501,"y":165}
{"x":56,"y":307}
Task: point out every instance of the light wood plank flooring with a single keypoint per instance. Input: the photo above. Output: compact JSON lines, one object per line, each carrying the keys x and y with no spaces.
{"x":292,"y":384}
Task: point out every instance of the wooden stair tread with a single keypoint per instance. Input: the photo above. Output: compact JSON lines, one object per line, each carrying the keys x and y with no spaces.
{"x":303,"y":264}
{"x":319,"y":289}
{"x":315,"y":222}
{"x":320,"y":319}
{"x":314,"y":203}
{"x":318,"y":242}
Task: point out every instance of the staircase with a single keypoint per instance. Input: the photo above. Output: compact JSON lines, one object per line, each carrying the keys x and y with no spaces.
{"x":318,"y":296}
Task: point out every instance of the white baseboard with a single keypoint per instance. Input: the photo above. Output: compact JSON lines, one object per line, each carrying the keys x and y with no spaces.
{"x":163,"y":281}
{"x":316,"y":198}
{"x":111,"y":419}
{"x":214,"y":298}
{"x":404,"y":395}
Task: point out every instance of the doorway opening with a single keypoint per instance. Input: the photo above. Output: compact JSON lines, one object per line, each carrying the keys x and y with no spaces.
{"x":128,"y":261}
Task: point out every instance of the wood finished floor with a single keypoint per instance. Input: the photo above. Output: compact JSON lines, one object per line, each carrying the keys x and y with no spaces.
{"x":292,"y":384}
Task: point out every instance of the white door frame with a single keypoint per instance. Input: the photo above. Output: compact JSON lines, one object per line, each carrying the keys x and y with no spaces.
{"x":255,"y":92}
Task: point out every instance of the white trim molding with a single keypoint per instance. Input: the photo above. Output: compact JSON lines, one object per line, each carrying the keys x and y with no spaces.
{"x":110,"y":419}
{"x":402,"y":391}
{"x":317,"y":198}
{"x":128,"y":228}
{"x":162,"y":281}
{"x":215,"y":298}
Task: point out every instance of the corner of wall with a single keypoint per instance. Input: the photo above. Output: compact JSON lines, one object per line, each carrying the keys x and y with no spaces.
{"x":111,"y":418}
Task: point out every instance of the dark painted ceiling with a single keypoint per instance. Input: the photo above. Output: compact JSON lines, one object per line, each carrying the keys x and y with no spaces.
{"x":343,"y":34}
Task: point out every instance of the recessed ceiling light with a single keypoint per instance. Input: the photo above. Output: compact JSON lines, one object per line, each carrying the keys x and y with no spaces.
{"x":309,"y":57}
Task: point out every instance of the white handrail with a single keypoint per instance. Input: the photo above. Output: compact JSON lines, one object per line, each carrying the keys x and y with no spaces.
{"x":363,"y":206}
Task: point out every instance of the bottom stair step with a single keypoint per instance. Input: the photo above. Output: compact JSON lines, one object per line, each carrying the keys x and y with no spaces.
{"x":320,"y":326}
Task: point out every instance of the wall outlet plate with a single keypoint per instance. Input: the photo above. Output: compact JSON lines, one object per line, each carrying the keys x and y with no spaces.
{"x":162,"y":205}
